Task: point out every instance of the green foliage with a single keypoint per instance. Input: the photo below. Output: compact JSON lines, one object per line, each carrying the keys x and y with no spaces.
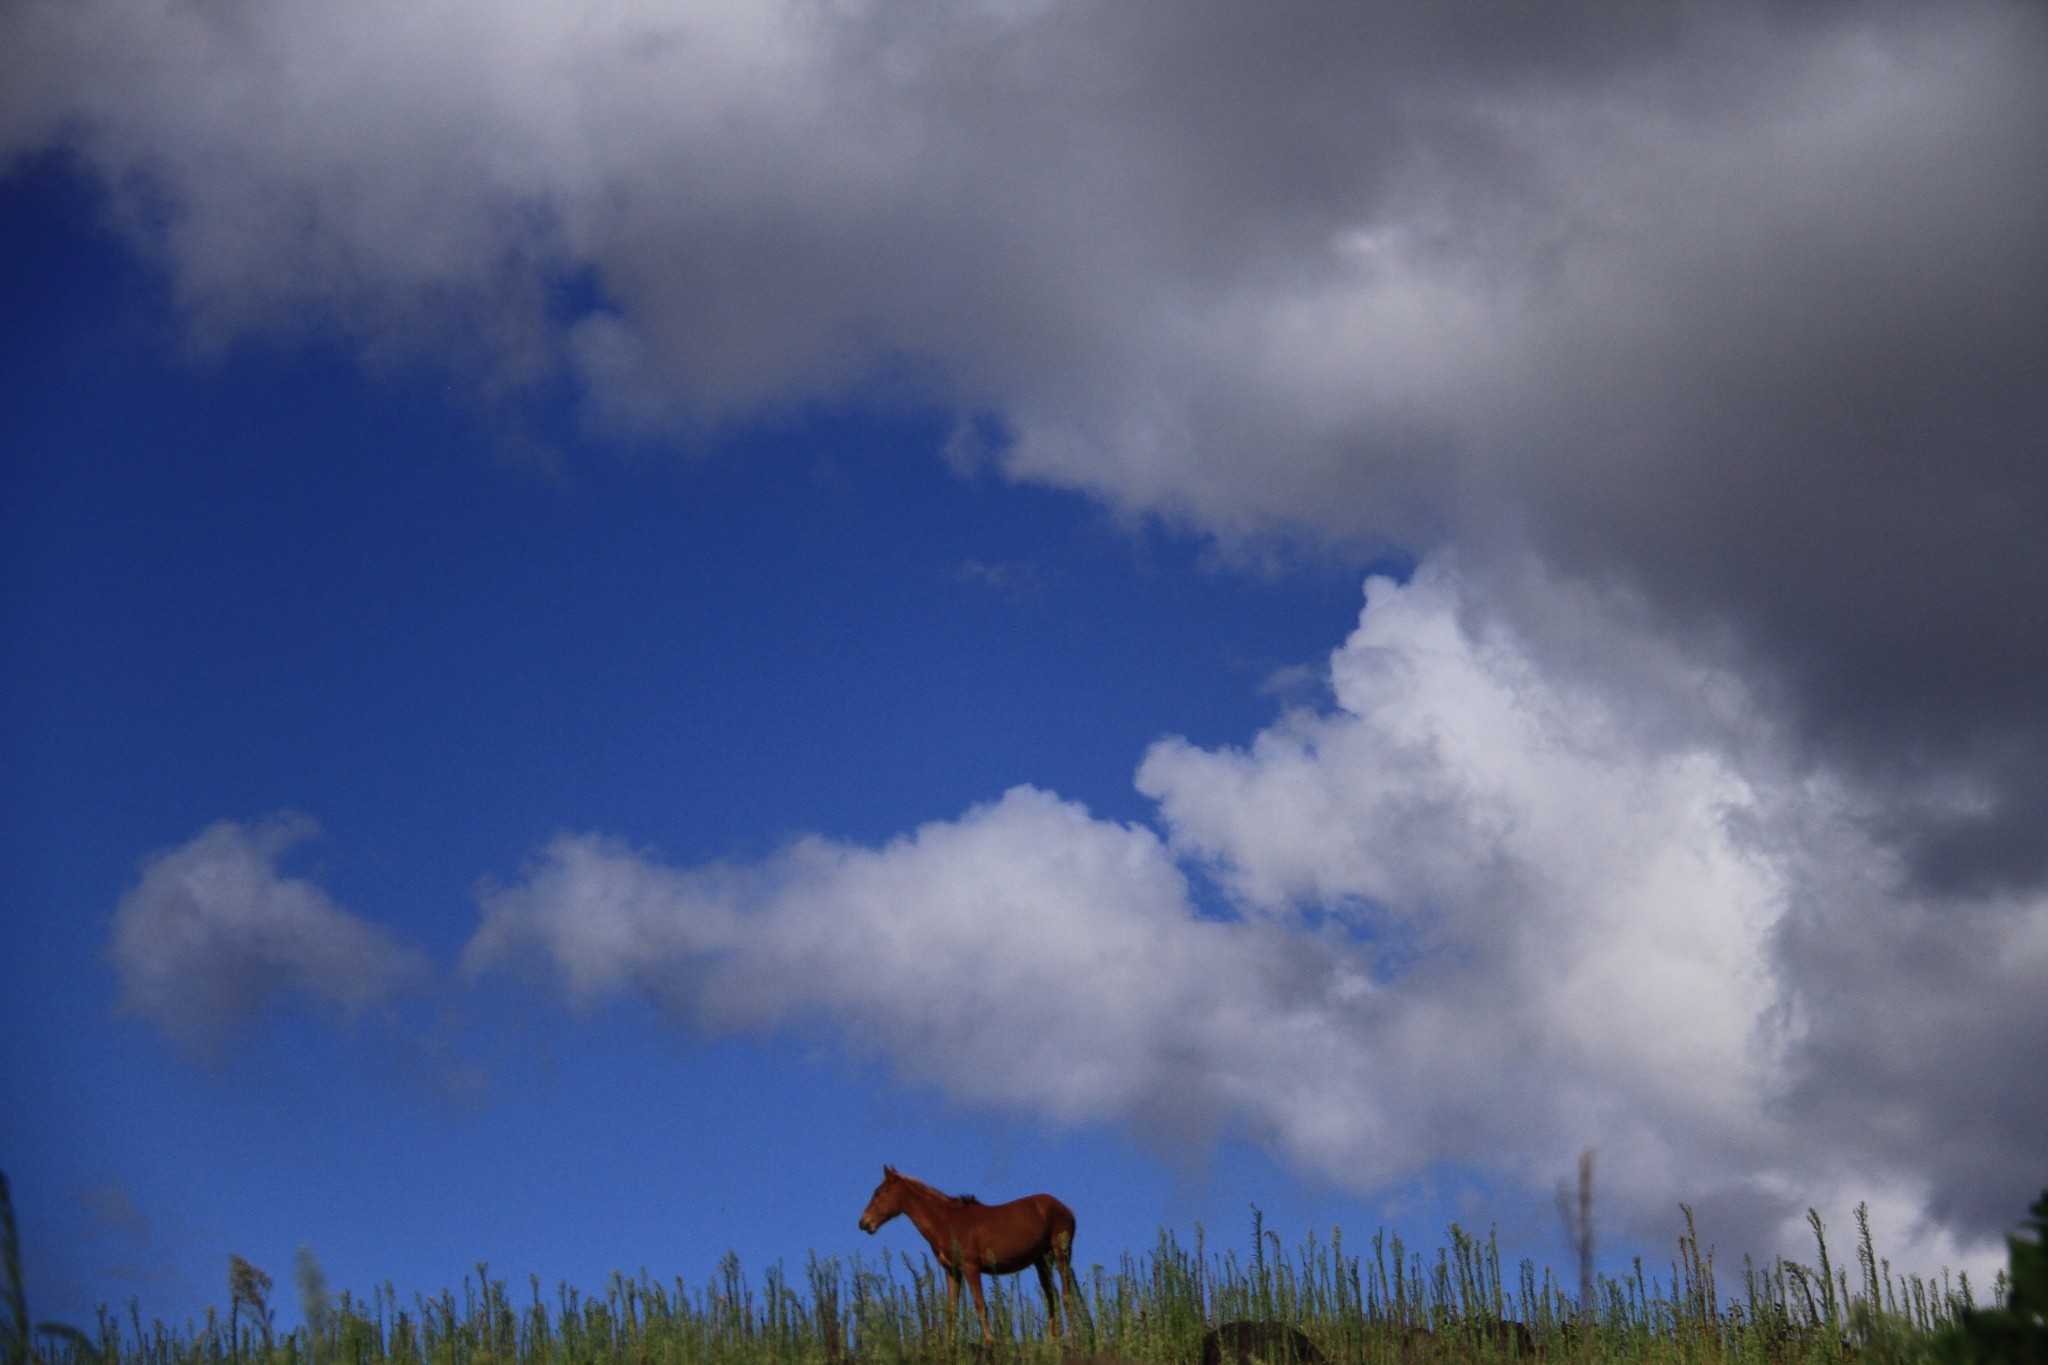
{"x":2016,"y":1333}
{"x":64,"y":1338}
{"x":17,"y":1341}
{"x":14,"y":1336}
{"x":312,"y":1286}
{"x":1388,"y":1304}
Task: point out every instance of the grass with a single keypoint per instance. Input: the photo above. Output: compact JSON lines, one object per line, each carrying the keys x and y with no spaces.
{"x":1359,"y":1304}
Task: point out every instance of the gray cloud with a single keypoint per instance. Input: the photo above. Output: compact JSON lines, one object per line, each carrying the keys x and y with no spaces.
{"x":1812,"y":414}
{"x":1736,"y":304}
{"x":112,"y":1208}
{"x":212,"y":933}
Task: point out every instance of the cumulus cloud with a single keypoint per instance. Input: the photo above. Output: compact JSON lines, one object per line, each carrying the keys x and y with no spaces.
{"x":1457,"y":797}
{"x":1481,"y":916}
{"x":213,"y":932}
{"x":1024,"y":955}
{"x":1641,"y":903}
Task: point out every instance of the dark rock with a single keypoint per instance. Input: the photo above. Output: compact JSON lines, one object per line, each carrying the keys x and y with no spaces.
{"x":1259,"y":1343}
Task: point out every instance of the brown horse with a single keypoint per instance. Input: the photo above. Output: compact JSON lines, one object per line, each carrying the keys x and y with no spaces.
{"x":971,"y":1238}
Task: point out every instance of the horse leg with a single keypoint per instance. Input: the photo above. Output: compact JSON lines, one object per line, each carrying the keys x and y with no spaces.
{"x":952,"y":1298}
{"x":1052,"y":1302}
{"x":988,"y":1333}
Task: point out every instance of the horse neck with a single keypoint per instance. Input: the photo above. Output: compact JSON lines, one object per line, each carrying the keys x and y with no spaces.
{"x":929,"y":1212}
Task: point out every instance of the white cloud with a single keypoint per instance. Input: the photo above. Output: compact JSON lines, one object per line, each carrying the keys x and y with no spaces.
{"x":1488,"y":920}
{"x":1487,"y":917}
{"x":1024,"y":955}
{"x":1601,"y":888}
{"x":212,"y":933}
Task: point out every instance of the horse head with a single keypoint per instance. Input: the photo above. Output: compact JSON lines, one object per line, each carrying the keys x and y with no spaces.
{"x":886,"y":1202}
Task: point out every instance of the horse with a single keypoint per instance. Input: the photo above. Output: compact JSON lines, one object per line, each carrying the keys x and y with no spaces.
{"x":970,"y":1239}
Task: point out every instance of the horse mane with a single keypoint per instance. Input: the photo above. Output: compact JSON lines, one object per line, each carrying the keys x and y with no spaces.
{"x":936,"y":1191}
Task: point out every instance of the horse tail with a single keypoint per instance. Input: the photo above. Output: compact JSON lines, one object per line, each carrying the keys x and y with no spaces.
{"x":1061,"y":1220}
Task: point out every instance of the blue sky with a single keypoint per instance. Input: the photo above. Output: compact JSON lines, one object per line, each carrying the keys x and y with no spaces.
{"x":613,"y":616}
{"x":267,"y":581}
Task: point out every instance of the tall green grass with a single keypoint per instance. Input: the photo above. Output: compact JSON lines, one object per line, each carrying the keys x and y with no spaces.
{"x":1360,"y":1303}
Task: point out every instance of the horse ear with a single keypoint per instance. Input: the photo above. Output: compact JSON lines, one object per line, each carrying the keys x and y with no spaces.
{"x":888,"y":1172}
